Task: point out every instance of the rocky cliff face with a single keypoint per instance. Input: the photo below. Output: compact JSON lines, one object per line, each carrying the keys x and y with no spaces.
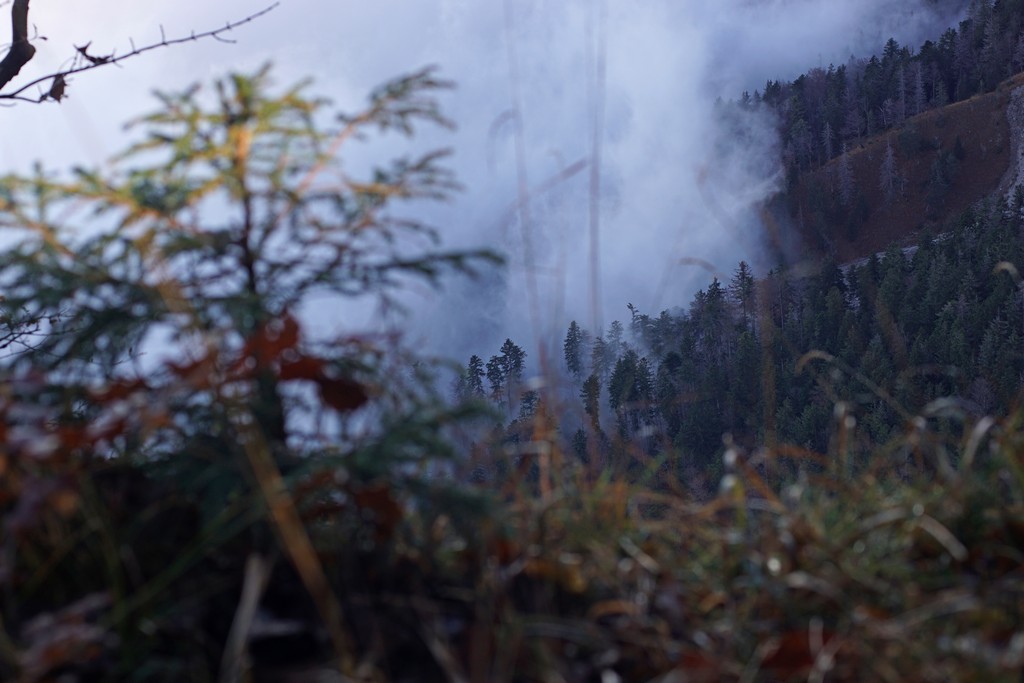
{"x":1014,"y":177}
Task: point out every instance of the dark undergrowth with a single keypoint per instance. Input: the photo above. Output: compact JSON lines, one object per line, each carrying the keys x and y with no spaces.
{"x":905,"y":567}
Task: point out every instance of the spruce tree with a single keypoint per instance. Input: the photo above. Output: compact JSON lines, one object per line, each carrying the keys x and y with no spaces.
{"x":590,"y":394}
{"x":173,"y":288}
{"x":742,"y":292}
{"x":572,"y":348}
{"x":475,"y":374}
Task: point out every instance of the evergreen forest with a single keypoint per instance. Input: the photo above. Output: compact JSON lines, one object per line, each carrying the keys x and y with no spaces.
{"x":917,"y":332}
{"x":825,"y":109}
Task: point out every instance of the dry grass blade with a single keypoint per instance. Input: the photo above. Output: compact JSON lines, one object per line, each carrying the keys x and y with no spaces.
{"x":296,"y":542}
{"x":944,"y":536}
{"x":235,"y":664}
{"x":978,"y":435}
{"x":442,"y":654}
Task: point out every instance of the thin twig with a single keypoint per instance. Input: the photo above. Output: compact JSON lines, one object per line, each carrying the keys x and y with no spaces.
{"x":136,"y":51}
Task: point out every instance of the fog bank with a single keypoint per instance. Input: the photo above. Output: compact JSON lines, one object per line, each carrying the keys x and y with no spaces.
{"x":676,"y":185}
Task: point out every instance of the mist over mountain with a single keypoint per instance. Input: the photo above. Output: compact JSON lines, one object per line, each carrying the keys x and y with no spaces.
{"x":761,"y":39}
{"x":678,"y":184}
{"x":675,"y":184}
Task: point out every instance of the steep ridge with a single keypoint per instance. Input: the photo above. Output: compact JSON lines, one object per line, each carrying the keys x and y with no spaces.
{"x":1014,"y":177}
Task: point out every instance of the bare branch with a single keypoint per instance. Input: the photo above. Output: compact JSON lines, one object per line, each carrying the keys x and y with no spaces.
{"x":95,"y":62}
{"x":21,"y":51}
{"x":92,"y":59}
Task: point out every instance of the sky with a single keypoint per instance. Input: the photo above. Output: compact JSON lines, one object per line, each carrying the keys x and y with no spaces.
{"x":676,"y":189}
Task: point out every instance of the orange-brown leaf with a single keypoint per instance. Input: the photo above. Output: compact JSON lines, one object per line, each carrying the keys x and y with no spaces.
{"x":794,"y":655}
{"x":387,"y":512}
{"x":118,"y":391}
{"x":272,"y":339}
{"x":197,"y":374}
{"x":304,"y":367}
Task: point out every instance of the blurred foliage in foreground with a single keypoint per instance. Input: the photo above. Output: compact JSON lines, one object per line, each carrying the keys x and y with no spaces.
{"x":197,"y":485}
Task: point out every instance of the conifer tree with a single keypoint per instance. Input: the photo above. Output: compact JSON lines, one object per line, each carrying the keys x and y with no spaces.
{"x":174,"y":286}
{"x":513,"y":360}
{"x":602,"y":357}
{"x":475,"y":374}
{"x":528,"y":405}
{"x":573,"y":350}
{"x":497,"y":376}
{"x":742,"y":292}
{"x":505,"y":372}
{"x":590,"y":394}
{"x":920,"y":96}
{"x":630,"y":391}
{"x":616,"y":335}
{"x":827,"y":136}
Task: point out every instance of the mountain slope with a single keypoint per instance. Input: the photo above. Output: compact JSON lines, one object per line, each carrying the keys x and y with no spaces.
{"x":945,"y":160}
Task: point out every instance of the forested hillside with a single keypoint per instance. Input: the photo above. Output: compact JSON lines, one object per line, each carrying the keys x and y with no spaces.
{"x":767,"y":361}
{"x":905,"y":294}
{"x":873,"y":151}
{"x":826,"y":110}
